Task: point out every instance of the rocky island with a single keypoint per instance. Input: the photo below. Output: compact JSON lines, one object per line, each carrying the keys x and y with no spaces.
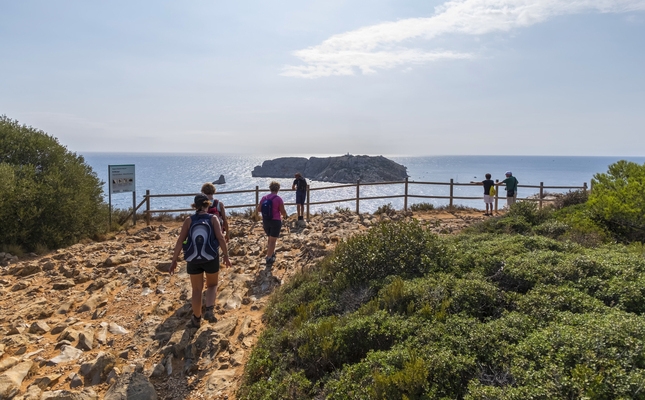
{"x":342,"y":169}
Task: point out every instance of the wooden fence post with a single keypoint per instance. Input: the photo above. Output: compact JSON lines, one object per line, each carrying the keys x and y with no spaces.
{"x":405,"y":198}
{"x":147,"y":207}
{"x":257,"y":201}
{"x":541,"y":193}
{"x":358,"y":195}
{"x":308,"y":202}
{"x":451,"y":190}
{"x":496,"y":196}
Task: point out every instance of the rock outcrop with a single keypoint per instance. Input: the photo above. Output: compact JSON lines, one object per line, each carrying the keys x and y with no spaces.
{"x":343,"y":169}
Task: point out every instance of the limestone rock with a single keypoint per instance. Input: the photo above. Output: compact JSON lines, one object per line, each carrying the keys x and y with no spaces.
{"x":11,"y":379}
{"x":68,"y":353}
{"x":131,"y":386}
{"x":86,"y":394}
{"x":39,"y":327}
{"x":96,"y":371}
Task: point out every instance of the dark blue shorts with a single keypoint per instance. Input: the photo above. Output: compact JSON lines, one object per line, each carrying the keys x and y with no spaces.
{"x":211,"y":267}
{"x":272,"y":227}
{"x":300,"y":197}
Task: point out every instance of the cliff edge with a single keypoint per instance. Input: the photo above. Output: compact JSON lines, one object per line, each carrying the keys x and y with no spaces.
{"x":342,"y":169}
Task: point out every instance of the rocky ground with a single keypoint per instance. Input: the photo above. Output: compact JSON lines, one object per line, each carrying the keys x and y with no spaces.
{"x":105,"y":320}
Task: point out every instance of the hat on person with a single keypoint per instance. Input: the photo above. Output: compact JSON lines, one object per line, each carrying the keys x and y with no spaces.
{"x":509,"y":173}
{"x":200,"y":199}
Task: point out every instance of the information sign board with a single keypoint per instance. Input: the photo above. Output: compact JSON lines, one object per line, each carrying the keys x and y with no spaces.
{"x":121,"y":178}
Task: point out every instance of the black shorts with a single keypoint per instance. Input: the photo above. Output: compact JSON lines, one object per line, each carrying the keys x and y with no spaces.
{"x":211,"y":267}
{"x":300,"y":197}
{"x":272,"y":227}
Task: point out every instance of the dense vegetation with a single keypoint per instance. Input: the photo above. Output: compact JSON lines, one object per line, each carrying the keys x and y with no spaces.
{"x":50,"y":196}
{"x":538,"y":304}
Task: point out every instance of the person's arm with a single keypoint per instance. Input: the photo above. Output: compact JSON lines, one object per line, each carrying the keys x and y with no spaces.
{"x":477,"y":183}
{"x":222,"y":212}
{"x":293,"y":187}
{"x":220,"y":238}
{"x":182,"y":236}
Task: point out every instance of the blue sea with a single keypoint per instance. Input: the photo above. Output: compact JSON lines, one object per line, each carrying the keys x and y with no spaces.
{"x":182,"y":173}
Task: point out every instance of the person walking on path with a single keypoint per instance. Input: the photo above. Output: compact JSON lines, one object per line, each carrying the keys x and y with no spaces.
{"x":511,"y":188}
{"x":272,"y":208}
{"x":201,"y":236}
{"x":488,"y":195}
{"x":216,"y":208}
{"x":300,"y":186}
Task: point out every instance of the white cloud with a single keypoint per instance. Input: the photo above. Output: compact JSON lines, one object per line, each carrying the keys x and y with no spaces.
{"x":380,"y":46}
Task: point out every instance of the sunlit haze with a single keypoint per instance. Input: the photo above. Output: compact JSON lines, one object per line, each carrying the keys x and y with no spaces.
{"x":470,"y":77}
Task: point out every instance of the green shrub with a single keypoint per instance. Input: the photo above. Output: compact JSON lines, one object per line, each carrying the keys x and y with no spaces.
{"x":343,"y":210}
{"x":50,"y":196}
{"x":618,"y":200}
{"x":571,"y":198}
{"x":390,"y":248}
{"x":386,"y":209}
{"x":422,"y":207}
{"x":473,"y":316}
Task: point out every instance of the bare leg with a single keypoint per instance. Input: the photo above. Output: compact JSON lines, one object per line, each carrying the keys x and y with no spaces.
{"x":211,"y":288}
{"x":271,"y":246}
{"x":197,"y":282}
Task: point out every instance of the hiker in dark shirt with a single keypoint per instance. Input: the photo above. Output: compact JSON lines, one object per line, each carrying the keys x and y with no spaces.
{"x":300,"y":186}
{"x":488,"y":197}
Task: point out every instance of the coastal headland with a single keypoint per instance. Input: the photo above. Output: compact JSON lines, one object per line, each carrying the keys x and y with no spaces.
{"x":342,"y":169}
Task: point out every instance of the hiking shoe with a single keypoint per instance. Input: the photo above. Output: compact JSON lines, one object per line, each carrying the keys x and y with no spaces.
{"x":194,"y":322}
{"x":209,"y":314}
{"x":270,"y":261}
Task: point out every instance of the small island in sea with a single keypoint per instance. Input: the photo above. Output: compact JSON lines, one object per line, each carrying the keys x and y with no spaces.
{"x":342,"y":169}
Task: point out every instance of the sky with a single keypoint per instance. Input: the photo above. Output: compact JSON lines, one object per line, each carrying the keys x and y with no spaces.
{"x":404,"y":77}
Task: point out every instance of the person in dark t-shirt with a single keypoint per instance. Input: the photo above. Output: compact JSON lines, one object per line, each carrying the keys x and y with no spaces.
{"x":488,"y":197}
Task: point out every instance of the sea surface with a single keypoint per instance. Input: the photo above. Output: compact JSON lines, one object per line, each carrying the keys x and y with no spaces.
{"x":184,"y":174}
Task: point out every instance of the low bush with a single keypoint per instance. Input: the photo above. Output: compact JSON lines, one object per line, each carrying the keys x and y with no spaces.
{"x":422,"y":207}
{"x":571,"y":198}
{"x":400,"y":313}
{"x":386,"y":209}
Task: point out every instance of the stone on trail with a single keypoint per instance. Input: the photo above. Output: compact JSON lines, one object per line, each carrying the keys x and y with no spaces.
{"x":11,"y":379}
{"x":68,"y":353}
{"x":86,"y":394}
{"x":131,"y":386}
{"x":116,"y":329}
{"x":96,"y":371}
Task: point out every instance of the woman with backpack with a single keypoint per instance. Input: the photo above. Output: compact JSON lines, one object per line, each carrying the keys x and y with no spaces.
{"x":217,"y":207}
{"x":200,"y":237}
{"x":272,"y":208}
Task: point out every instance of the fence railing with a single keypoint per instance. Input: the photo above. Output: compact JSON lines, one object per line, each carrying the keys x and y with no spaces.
{"x":406,"y":195}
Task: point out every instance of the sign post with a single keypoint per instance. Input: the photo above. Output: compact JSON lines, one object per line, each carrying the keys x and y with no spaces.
{"x":121,"y":179}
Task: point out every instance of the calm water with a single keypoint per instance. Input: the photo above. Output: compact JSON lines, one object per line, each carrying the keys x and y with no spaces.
{"x":180,"y":173}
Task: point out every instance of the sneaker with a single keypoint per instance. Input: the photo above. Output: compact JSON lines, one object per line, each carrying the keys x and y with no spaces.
{"x":194,"y":322}
{"x":209,"y":314}
{"x":270,"y":261}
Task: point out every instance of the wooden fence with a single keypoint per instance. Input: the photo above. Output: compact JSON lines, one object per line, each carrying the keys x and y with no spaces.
{"x":406,"y":195}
